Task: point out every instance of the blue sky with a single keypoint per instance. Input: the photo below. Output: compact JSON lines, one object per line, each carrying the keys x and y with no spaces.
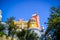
{"x":25,"y":9}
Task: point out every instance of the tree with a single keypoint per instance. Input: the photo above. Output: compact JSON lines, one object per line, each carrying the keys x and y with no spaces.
{"x":1,"y":29}
{"x":54,"y":23}
{"x":27,"y":35}
{"x":11,"y":26}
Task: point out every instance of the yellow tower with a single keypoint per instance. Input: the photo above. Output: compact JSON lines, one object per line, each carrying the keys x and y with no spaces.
{"x":32,"y":23}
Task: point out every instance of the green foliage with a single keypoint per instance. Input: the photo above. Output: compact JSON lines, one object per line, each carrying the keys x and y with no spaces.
{"x":54,"y":21}
{"x":1,"y":29}
{"x":2,"y":33}
{"x":27,"y":35}
{"x":10,"y":22}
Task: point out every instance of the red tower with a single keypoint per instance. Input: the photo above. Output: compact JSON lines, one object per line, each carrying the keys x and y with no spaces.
{"x":36,"y":17}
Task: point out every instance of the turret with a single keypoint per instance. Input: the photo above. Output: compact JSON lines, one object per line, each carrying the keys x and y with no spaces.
{"x":34,"y":21}
{"x":0,"y":15}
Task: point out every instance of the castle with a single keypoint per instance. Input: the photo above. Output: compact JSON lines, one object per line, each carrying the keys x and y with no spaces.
{"x":32,"y":23}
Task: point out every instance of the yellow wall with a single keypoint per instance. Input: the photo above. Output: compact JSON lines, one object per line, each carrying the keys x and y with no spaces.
{"x":20,"y":24}
{"x":32,"y":24}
